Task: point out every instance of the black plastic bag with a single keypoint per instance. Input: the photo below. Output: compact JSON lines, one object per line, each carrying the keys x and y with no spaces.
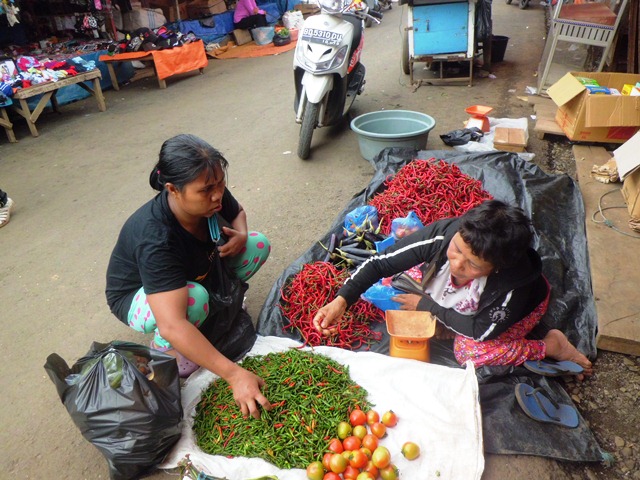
{"x":483,"y":20}
{"x":125,"y":399}
{"x":462,"y":136}
{"x":229,"y":327}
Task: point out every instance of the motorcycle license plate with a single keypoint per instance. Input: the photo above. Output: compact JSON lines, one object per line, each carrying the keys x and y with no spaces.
{"x":324,"y":37}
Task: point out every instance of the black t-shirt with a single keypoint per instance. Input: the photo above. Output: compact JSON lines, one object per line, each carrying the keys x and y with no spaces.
{"x":155,"y":252}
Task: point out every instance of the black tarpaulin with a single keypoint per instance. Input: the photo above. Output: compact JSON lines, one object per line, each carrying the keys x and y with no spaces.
{"x":555,"y":205}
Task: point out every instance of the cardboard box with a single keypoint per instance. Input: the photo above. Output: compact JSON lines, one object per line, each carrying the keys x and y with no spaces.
{"x":628,"y":162}
{"x":510,"y":139}
{"x":631,"y":194}
{"x":144,"y":18}
{"x":242,"y":36}
{"x":596,"y":118}
{"x":169,"y":9}
{"x":307,"y":9}
{"x":205,"y":8}
{"x":173,"y":12}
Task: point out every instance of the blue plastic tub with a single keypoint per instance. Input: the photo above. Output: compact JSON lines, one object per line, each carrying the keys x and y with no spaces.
{"x":263,"y":35}
{"x":391,"y":128}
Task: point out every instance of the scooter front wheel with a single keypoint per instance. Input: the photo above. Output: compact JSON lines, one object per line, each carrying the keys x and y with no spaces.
{"x":309,"y":122}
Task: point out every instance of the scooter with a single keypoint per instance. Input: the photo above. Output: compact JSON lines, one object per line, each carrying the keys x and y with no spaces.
{"x":327,"y":71}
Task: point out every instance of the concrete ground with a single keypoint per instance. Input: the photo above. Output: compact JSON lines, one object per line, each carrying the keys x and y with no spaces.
{"x":76,"y":184}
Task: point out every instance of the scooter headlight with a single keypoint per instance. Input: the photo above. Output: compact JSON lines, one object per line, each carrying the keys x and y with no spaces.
{"x":332,"y":6}
{"x":334,"y":62}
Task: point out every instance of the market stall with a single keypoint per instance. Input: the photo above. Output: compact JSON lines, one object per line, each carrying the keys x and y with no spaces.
{"x":165,"y":63}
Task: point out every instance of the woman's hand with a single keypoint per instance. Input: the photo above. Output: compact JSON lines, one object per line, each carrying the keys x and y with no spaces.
{"x":236,"y":240}
{"x":247,"y":392}
{"x":329,"y":315}
{"x":408,"y":301}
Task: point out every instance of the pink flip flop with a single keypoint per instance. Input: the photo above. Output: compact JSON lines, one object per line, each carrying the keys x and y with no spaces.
{"x":185,"y":366}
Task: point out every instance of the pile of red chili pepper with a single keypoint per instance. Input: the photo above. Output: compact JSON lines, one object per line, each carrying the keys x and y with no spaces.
{"x":310,"y":395}
{"x":315,"y":285}
{"x":433,"y":189}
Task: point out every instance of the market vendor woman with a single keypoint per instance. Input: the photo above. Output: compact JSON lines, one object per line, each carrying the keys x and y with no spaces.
{"x":487,"y":290}
{"x":162,"y":271}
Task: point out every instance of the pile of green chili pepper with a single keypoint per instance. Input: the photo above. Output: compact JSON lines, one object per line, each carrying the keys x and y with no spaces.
{"x":310,"y":395}
{"x":315,"y":285}
{"x":433,"y":189}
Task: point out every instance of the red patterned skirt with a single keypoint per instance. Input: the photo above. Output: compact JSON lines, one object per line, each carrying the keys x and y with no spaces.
{"x":510,"y":348}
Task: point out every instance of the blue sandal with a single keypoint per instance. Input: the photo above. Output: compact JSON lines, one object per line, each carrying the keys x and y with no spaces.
{"x":553,"y":368}
{"x":539,"y":407}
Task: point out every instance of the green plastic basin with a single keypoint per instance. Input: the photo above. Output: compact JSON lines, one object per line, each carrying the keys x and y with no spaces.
{"x":391,"y":128}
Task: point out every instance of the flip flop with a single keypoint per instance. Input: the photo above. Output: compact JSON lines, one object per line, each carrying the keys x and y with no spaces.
{"x":539,"y":407}
{"x":185,"y":366}
{"x":553,"y":368}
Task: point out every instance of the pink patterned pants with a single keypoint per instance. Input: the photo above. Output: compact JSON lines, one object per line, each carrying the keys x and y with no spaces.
{"x":510,"y":348}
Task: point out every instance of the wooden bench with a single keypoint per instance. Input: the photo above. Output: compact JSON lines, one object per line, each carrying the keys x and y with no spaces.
{"x":49,"y":90}
{"x":8,"y":126}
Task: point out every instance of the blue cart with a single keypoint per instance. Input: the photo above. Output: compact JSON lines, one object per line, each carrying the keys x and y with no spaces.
{"x":437,"y":32}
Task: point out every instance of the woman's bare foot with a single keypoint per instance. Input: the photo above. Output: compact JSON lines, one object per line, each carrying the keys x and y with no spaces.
{"x":559,"y":348}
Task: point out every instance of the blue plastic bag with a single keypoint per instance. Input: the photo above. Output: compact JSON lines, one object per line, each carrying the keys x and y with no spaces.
{"x":380,"y":295}
{"x":365,"y":216}
{"x":401,"y":227}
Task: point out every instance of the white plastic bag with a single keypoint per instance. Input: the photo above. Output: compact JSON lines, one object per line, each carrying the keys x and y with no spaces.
{"x":293,"y":19}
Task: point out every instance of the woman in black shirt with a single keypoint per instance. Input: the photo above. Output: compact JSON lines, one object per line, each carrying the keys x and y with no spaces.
{"x":163,"y":269}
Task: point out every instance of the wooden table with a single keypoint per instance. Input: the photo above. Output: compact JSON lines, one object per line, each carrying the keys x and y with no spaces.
{"x":165,"y":63}
{"x":48,"y":91}
{"x":8,"y":126}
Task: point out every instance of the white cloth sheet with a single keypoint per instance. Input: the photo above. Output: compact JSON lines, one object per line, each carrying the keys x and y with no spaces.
{"x":437,"y":408}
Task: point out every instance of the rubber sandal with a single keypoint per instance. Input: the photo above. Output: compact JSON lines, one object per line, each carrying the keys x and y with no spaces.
{"x":539,"y":407}
{"x":185,"y":366}
{"x":553,"y":368}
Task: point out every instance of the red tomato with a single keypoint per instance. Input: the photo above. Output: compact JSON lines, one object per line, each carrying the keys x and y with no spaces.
{"x":365,"y":476}
{"x":350,"y":473}
{"x":315,"y":471}
{"x":331,"y":476}
{"x":372,"y":417}
{"x":379,"y":429}
{"x":357,"y":417}
{"x":371,"y":468}
{"x":335,"y":446}
{"x":326,"y":459}
{"x":351,"y":443}
{"x":390,"y":419}
{"x":390,"y":472}
{"x":381,"y":457}
{"x":366,"y":451}
{"x":370,"y":441}
{"x":358,"y":459}
{"x":338,"y":463}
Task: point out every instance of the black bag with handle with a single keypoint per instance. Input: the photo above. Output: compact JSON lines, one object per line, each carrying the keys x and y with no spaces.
{"x":125,"y":399}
